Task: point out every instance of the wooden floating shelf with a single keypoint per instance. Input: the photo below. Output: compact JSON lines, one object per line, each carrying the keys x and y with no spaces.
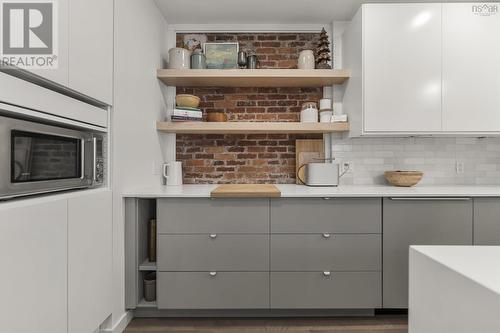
{"x":252,"y":77}
{"x":249,"y":127}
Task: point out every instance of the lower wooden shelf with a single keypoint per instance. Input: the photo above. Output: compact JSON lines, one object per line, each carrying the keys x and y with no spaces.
{"x":145,"y":304}
{"x":147,"y":266}
{"x":249,"y":127}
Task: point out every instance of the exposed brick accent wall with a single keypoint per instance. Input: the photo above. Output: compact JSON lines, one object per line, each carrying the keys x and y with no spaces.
{"x":251,"y":158}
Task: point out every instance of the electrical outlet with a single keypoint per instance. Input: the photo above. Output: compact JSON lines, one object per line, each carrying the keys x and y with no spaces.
{"x":155,"y":168}
{"x":460,"y":167}
{"x":346,"y":167}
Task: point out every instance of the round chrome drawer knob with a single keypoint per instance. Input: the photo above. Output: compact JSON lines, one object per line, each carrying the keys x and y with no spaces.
{"x":213,"y":236}
{"x":327,"y":273}
{"x":213,"y":274}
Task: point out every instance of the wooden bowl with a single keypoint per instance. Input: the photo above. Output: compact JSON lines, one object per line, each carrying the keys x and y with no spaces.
{"x":216,"y":117}
{"x":187,"y":101}
{"x":403,"y":178}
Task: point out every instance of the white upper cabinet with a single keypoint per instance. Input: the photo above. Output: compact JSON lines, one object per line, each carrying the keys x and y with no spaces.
{"x":423,"y":68}
{"x":91,"y":48}
{"x":59,"y":74}
{"x":471,"y":67}
{"x":84,"y":38}
{"x":402,"y":67}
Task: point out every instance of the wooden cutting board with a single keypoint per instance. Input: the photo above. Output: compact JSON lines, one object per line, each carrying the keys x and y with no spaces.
{"x":307,"y":151}
{"x":245,"y":191}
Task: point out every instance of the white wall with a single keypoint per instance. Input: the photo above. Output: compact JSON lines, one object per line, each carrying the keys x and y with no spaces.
{"x":139,"y":49}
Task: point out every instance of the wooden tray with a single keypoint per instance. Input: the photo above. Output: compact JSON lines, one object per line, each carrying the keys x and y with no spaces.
{"x":245,"y":191}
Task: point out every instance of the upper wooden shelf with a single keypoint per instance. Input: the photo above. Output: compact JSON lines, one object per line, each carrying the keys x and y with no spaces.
{"x":252,"y":77}
{"x":249,"y":127}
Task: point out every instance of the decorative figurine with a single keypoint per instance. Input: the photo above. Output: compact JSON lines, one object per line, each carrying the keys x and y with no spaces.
{"x":323,"y":51}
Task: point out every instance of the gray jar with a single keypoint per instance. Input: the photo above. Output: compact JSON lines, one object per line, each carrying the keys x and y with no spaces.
{"x":150,"y":287}
{"x":198,"y":60}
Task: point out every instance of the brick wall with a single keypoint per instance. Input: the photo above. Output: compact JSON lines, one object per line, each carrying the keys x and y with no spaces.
{"x":252,"y":158}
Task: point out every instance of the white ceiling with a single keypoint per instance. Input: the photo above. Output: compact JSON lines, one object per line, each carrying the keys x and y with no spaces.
{"x":262,"y":11}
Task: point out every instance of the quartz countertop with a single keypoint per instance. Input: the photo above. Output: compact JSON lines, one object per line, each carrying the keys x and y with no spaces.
{"x":454,"y":289}
{"x":301,"y":191}
{"x":474,"y":262}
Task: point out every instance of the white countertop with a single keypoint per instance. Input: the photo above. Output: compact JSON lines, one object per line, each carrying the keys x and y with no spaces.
{"x":477,"y":263}
{"x":301,"y":191}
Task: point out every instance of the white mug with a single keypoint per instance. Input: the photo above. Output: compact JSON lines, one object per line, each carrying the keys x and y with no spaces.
{"x":172,"y":171}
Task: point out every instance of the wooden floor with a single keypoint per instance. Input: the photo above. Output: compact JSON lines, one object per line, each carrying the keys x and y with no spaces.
{"x":378,"y":324}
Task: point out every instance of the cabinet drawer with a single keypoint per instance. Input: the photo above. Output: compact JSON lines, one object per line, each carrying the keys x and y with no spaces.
{"x":213,"y":252}
{"x":314,"y":290}
{"x":326,"y":252}
{"x":317,"y":215}
{"x":203,"y":215}
{"x":225,"y":290}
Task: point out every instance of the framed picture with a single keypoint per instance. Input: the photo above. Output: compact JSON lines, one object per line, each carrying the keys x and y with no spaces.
{"x":194,"y":41}
{"x":221,"y":55}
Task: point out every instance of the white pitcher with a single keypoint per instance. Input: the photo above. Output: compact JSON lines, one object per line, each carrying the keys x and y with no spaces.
{"x":172,"y":171}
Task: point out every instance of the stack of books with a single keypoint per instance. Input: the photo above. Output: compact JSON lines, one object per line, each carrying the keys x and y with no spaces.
{"x":187,"y":114}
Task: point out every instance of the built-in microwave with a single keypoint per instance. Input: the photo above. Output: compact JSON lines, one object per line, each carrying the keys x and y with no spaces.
{"x":38,"y":158}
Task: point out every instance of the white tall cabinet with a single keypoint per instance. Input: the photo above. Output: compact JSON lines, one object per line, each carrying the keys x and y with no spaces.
{"x":33,"y":254}
{"x":402,"y":67}
{"x":471,"y":67}
{"x":423,"y":68}
{"x":56,"y":256}
{"x":89,"y":261}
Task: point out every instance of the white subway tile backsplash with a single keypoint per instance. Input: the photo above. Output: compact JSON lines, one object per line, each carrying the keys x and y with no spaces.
{"x":493,"y":147}
{"x":486,"y":167}
{"x":466,"y":141}
{"x":436,"y":157}
{"x":373,"y":161}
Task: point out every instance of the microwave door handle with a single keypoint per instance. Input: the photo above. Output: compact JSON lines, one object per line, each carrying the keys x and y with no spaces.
{"x":94,"y":169}
{"x":82,"y":171}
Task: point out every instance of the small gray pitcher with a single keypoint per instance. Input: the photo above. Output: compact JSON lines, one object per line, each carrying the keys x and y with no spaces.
{"x":198,"y":60}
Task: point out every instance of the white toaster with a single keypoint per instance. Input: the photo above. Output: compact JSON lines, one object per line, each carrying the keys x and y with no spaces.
{"x":322,"y":174}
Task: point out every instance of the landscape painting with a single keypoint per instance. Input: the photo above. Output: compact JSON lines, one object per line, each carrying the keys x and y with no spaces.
{"x":221,"y":55}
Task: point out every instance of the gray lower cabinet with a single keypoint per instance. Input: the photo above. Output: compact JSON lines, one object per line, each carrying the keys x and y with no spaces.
{"x":326,"y":252}
{"x":205,"y":215}
{"x":213,"y":252}
{"x":318,"y":215}
{"x":213,"y":290}
{"x":243,"y":253}
{"x":320,"y":290}
{"x":487,"y":221}
{"x":437,"y":221}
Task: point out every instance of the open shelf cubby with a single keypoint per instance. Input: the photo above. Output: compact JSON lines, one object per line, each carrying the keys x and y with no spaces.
{"x":138,"y":214}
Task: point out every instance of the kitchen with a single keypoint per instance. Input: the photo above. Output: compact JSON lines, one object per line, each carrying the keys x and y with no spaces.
{"x":135,"y":215}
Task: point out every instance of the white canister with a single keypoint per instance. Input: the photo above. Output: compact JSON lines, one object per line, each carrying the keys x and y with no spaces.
{"x":325,"y":116}
{"x":172,"y":171}
{"x":179,"y":58}
{"x":325,"y":104}
{"x":309,"y":113}
{"x":306,"y":60}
